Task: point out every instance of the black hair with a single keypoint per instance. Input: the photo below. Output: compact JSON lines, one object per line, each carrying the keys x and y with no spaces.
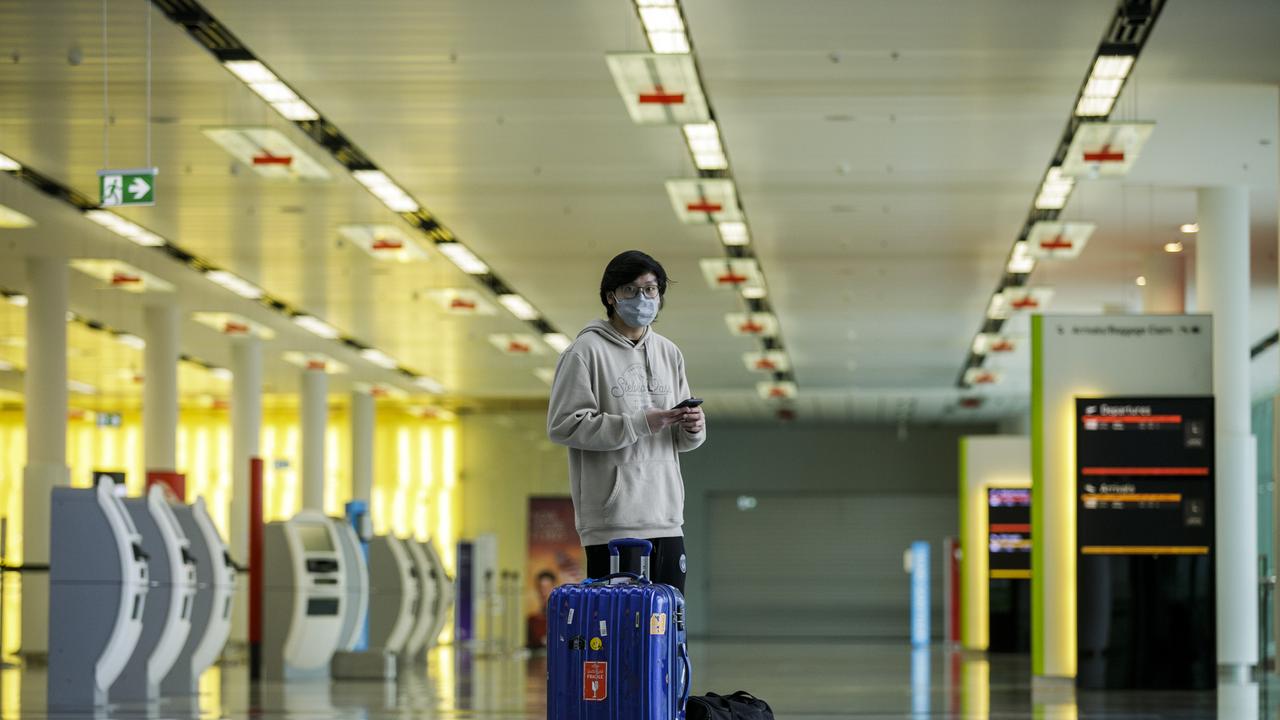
{"x":625,"y":268}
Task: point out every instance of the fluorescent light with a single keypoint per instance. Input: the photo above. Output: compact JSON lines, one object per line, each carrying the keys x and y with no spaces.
{"x":1141,"y":281}
{"x":1173,"y":247}
{"x":1115,"y":67}
{"x":1103,"y":87}
{"x":1190,"y":228}
{"x":1094,"y":106}
{"x":17,"y":300}
{"x":655,"y":3}
{"x":466,"y":260}
{"x":669,"y":43}
{"x":998,"y":308}
{"x":316,"y":326}
{"x":657,"y":18}
{"x":5,"y":366}
{"x":734,"y":233}
{"x":128,"y":230}
{"x":131,"y":340}
{"x":8,"y":163}
{"x":296,"y":110}
{"x":221,"y":373}
{"x":754,"y":293}
{"x":432,"y":386}
{"x":1055,"y":190}
{"x":10,"y":218}
{"x":235,"y":284}
{"x":558,"y":341}
{"x":385,"y":189}
{"x":379,"y":358}
{"x":518,"y":306}
{"x":76,"y":386}
{"x":704,"y":143}
{"x":1020,"y":260}
{"x":273,"y":91}
{"x":546,"y":374}
{"x":250,"y":71}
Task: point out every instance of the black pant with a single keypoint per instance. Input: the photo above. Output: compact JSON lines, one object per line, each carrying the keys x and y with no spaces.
{"x":667,"y":564}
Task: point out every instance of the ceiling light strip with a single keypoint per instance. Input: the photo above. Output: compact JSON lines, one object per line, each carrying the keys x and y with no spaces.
{"x":142,"y":236}
{"x":667,"y":32}
{"x":1110,"y":69}
{"x":238,"y":59}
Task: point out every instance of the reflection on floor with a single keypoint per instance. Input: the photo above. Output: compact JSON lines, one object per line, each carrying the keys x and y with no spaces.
{"x":815,"y":681}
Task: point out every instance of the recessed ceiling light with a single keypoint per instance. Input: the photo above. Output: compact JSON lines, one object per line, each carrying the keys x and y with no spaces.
{"x":235,"y":284}
{"x":515,"y":344}
{"x":386,"y":190}
{"x":233,"y":325}
{"x":268,"y":152}
{"x":558,"y":341}
{"x":383,"y":242}
{"x":1190,"y":228}
{"x":17,"y":300}
{"x":131,"y":340}
{"x":9,"y":164}
{"x":128,"y":230}
{"x":379,"y":358}
{"x":659,"y":89}
{"x":314,"y":361}
{"x":121,"y":275}
{"x":1141,"y":281}
{"x":316,"y":326}
{"x":518,"y":306}
{"x":429,"y":384}
{"x":222,"y":373}
{"x":10,"y":218}
{"x":754,"y":293}
{"x":734,"y":233}
{"x":1173,"y":247}
{"x":459,"y":255}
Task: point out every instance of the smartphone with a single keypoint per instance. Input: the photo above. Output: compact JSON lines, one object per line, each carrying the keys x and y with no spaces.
{"x":690,"y":403}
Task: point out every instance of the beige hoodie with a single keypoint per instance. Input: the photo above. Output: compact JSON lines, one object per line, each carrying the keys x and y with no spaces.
{"x":625,"y":481}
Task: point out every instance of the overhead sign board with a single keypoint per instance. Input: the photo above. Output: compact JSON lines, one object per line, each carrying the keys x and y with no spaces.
{"x":118,"y":188}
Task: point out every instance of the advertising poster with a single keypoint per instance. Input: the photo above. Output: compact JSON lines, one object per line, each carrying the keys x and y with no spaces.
{"x":555,"y":558}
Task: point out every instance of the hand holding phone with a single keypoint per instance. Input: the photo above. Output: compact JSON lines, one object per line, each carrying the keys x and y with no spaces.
{"x":690,"y":403}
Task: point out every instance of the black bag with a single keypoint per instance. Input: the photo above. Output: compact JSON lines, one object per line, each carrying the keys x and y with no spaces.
{"x":741,"y":705}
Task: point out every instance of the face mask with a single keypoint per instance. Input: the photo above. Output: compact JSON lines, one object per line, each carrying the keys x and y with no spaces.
{"x":637,"y":312}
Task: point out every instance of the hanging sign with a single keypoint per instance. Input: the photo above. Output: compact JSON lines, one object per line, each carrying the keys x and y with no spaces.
{"x":119,"y":188}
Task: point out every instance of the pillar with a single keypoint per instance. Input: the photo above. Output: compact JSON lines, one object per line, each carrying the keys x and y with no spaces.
{"x":362,"y":421}
{"x":1222,"y":279}
{"x":1166,"y":289}
{"x":45,"y":411}
{"x":246,"y":433}
{"x":160,"y":387}
{"x":315,"y":412}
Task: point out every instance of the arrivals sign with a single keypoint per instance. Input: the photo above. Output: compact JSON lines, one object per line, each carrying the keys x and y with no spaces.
{"x":119,"y":188}
{"x":1009,"y":533}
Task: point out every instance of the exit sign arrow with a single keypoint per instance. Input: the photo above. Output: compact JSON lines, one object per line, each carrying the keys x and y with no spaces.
{"x":127,"y":187}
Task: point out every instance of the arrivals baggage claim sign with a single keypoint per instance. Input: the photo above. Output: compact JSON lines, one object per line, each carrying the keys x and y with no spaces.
{"x":1122,"y":468}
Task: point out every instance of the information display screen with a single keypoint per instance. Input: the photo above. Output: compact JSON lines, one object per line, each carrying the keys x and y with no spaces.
{"x":1009,"y":533}
{"x":1145,"y":565}
{"x":314,"y":537}
{"x":1144,"y":476}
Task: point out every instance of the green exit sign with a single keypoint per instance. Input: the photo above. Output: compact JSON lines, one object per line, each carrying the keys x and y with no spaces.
{"x":127,"y":187}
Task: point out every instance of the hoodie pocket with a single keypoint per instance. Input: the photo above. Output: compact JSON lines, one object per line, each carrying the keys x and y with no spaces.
{"x":648,"y":493}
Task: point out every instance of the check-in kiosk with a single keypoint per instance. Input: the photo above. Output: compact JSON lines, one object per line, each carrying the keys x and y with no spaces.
{"x":303,"y":594}
{"x":211,"y":608}
{"x":424,"y":618}
{"x":444,"y":593}
{"x":393,"y":594}
{"x":98,"y":581}
{"x":356,"y":581}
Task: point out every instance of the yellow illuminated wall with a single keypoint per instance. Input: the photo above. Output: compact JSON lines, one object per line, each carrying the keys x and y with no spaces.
{"x":415,"y":473}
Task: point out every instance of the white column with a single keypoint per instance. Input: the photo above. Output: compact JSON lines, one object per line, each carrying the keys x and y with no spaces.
{"x":362,"y":421}
{"x":160,"y":387}
{"x":45,"y":410}
{"x":1222,"y":279}
{"x":1166,"y":290}
{"x":246,"y":433}
{"x":314,"y":409}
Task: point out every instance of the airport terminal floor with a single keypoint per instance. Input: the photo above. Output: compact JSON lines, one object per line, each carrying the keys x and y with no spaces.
{"x":810,"y":680}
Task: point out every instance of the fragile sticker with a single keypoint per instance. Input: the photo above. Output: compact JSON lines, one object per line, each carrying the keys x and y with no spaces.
{"x":658,"y":624}
{"x":595,"y":681}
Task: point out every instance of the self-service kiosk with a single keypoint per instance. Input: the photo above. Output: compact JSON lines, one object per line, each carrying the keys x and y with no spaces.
{"x":424,"y":618}
{"x":355,"y":576}
{"x":444,"y":593}
{"x":166,"y":621}
{"x":303,"y":594}
{"x":393,"y":594}
{"x":211,"y":608}
{"x":98,"y":581}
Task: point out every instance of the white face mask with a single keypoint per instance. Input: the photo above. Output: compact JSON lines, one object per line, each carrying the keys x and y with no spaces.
{"x":637,"y":312}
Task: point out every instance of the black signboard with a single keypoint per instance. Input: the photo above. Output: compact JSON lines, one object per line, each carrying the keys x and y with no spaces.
{"x":1009,"y":562}
{"x":1145,"y":535}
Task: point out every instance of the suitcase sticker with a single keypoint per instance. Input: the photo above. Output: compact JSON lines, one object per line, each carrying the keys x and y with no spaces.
{"x":595,"y":681}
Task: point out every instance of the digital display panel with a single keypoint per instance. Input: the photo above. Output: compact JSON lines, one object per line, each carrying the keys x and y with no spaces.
{"x":1009,"y":533}
{"x":314,"y":537}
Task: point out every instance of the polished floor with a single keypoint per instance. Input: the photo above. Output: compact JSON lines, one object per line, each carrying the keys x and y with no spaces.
{"x":809,"y":680}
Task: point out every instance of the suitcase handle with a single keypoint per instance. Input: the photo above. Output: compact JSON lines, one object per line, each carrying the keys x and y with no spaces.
{"x":688,"y":681}
{"x":620,"y":575}
{"x":615,"y":554}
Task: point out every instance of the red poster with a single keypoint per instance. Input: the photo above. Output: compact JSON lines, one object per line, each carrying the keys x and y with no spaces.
{"x":595,"y":681}
{"x":555,"y":558}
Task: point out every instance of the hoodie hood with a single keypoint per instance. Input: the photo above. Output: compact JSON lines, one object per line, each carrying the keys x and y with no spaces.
{"x":610,"y":333}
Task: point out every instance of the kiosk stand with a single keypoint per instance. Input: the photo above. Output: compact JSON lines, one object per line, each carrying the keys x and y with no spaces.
{"x":424,"y":617}
{"x":98,"y":580}
{"x":350,"y":662}
{"x":302,"y":598}
{"x":393,"y":594}
{"x":444,"y":593}
{"x":211,"y":608}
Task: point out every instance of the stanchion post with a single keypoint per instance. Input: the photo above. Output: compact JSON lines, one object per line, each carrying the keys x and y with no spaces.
{"x":255,"y":568}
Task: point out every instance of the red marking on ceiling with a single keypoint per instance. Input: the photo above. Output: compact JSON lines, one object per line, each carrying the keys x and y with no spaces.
{"x":385,"y":244}
{"x":984,"y":379}
{"x":704,"y":205}
{"x":315,"y":365}
{"x":1058,"y":243}
{"x":378,"y":392}
{"x":970,"y":403}
{"x":235,"y":328}
{"x":751,"y":327}
{"x":122,"y":278}
{"x":1001,"y":346}
{"x":461,"y":304}
{"x":1104,"y":154}
{"x":221,"y":404}
{"x":731,"y":278}
{"x":518,"y":347}
{"x":786,"y":414}
{"x":777,"y":392}
{"x":766,"y":364}
{"x":659,"y":96}
{"x":1025,"y":303}
{"x":266,"y":158}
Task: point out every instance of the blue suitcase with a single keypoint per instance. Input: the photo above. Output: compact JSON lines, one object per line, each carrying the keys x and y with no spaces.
{"x":616,"y":647}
